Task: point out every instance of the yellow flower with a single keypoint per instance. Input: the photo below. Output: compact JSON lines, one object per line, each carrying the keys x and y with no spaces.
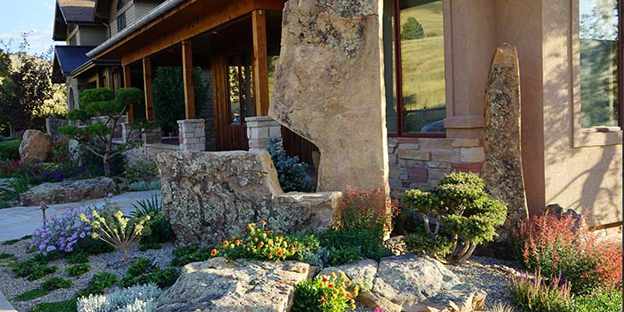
{"x":232,"y":246}
{"x":83,"y":218}
{"x":352,"y":306}
{"x":225,"y":243}
{"x":333,"y":275}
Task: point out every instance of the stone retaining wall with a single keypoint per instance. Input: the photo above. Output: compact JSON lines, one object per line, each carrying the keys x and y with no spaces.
{"x":422,"y":162}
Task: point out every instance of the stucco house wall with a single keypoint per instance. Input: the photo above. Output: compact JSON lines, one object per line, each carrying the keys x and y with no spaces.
{"x":560,"y":165}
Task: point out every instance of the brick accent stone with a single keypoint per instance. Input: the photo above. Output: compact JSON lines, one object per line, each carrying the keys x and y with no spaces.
{"x":415,"y":155}
{"x":259,"y":130}
{"x":466,"y":143}
{"x":192,"y":134}
{"x":422,"y":163}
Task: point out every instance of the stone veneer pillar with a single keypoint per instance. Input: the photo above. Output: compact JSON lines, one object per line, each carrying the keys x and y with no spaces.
{"x":259,"y":130}
{"x":152,"y":136}
{"x":127,"y":132}
{"x":192,"y":134}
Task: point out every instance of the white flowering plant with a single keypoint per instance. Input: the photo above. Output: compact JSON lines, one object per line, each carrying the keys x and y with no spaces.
{"x":141,"y":298}
{"x":115,"y":229}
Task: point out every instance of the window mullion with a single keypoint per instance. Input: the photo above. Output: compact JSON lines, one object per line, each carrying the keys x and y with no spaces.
{"x":399,"y":69}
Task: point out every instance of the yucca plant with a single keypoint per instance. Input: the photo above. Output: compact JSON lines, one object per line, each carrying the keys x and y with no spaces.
{"x":146,"y":207}
{"x":17,"y":185}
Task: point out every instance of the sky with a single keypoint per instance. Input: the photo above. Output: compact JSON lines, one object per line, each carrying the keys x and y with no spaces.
{"x":35,"y":16}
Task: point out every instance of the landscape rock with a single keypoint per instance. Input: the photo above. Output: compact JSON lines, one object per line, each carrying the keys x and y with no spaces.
{"x":239,"y":286}
{"x":461,"y":298}
{"x":68,"y":192}
{"x":36,"y":147}
{"x":502,"y":169}
{"x":212,"y":196}
{"x":363,"y":271}
{"x":329,"y":89}
{"x":410,"y":279}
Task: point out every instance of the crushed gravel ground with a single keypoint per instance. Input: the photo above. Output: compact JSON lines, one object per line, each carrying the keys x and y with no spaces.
{"x":489,"y":274}
{"x":109,"y":262}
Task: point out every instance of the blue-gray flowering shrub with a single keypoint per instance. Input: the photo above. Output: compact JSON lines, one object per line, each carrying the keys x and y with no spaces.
{"x":141,"y":298}
{"x":61,"y":232}
{"x":291,"y":172}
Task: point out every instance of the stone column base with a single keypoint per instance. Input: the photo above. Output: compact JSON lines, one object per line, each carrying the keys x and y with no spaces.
{"x":152,"y":136}
{"x":192,"y":134}
{"x":259,"y":130}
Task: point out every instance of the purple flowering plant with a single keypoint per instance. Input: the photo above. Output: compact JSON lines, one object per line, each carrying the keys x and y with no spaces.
{"x":62,"y":231}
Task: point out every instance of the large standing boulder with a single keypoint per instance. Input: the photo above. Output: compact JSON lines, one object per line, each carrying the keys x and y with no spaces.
{"x":502,"y":169}
{"x":212,"y":196}
{"x":36,"y":147}
{"x":68,"y":192}
{"x":329,"y":88}
{"x":238,"y":286}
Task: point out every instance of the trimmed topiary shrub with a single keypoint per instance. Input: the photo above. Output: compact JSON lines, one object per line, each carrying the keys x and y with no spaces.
{"x":465,"y":216}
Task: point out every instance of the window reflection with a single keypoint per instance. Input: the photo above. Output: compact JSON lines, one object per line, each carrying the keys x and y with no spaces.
{"x":599,"y":42}
{"x":240,"y":83}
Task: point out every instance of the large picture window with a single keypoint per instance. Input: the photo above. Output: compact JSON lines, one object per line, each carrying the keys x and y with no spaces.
{"x":414,"y":67}
{"x":600,"y":33}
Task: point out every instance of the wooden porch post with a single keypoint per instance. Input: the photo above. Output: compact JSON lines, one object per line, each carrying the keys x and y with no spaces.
{"x":147,"y":84}
{"x":260,"y":63}
{"x":128,"y":83}
{"x":187,"y":71}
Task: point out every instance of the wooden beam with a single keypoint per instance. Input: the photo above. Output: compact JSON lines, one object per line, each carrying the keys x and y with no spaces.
{"x":219,"y":15}
{"x":127,"y":84}
{"x":187,"y":72}
{"x":260,"y":63}
{"x":147,"y":89}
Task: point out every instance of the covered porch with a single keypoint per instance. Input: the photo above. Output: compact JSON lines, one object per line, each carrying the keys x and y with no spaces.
{"x":234,"y":47}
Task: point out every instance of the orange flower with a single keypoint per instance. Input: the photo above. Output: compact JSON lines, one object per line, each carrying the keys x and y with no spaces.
{"x":322,"y":302}
{"x":263,"y":222}
{"x":349,"y":295}
{"x":260,"y":244}
{"x":280,"y":252}
{"x":214,"y":252}
{"x":331,"y":285}
{"x":325,"y":279}
{"x":324,"y":295}
{"x":238,"y":242}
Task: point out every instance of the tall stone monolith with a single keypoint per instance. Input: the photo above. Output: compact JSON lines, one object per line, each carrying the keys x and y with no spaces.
{"x":329,"y":88}
{"x":502,"y":169}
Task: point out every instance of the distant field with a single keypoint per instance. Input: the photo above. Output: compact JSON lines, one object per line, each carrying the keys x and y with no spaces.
{"x":423,"y":68}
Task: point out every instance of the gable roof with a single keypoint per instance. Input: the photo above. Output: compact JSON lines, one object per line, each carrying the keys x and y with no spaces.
{"x":67,"y":59}
{"x":77,"y":10}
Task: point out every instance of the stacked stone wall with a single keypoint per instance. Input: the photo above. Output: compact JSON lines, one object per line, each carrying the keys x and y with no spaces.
{"x":421,"y":163}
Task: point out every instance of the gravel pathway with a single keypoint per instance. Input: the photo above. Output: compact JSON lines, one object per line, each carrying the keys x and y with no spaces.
{"x":109,"y":262}
{"x":489,"y":274}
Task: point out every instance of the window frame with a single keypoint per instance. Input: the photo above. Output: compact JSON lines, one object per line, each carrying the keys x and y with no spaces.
{"x":398,"y":72}
{"x":596,"y":136}
{"x":121,"y":19}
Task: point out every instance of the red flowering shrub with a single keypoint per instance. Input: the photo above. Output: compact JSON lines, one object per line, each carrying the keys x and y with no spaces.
{"x":566,"y":245}
{"x":371,"y":210}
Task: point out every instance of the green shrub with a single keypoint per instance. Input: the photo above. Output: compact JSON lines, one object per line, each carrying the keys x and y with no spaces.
{"x":77,"y":258}
{"x":78,"y":269}
{"x":291,"y":172}
{"x":610,"y":301}
{"x":351,"y":245}
{"x":168,"y":86}
{"x":464,"y":214}
{"x":5,"y":204}
{"x":141,"y":272}
{"x":92,"y":246}
{"x":31,"y":294}
{"x":158,"y":228}
{"x":419,"y":241}
{"x":32,"y":269}
{"x":412,"y":29}
{"x":5,"y":256}
{"x":54,"y":283}
{"x":536,"y":294}
{"x":142,"y":186}
{"x":325,"y":294}
{"x":189,"y":254}
{"x":17,"y":185}
{"x":61,"y":306}
{"x":97,"y":284}
{"x":9,"y":150}
{"x":141,"y":171}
